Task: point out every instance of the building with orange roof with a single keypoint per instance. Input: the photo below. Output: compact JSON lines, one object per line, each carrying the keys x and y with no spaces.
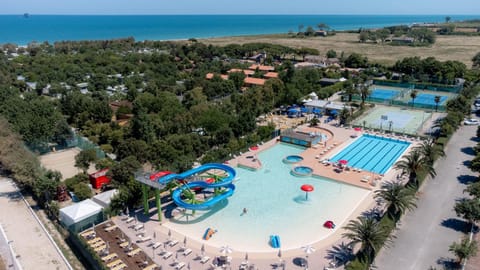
{"x":262,"y":68}
{"x":247,"y":72}
{"x":270,"y":75}
{"x":210,"y":76}
{"x":254,"y":81}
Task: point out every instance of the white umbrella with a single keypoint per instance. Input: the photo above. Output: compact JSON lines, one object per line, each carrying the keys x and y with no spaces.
{"x":128,"y":212}
{"x":308,"y":249}
{"x":188,"y":266}
{"x":225,"y":250}
{"x":185,"y":242}
{"x":169,"y":234}
{"x":155,"y":235}
{"x":279,"y":254}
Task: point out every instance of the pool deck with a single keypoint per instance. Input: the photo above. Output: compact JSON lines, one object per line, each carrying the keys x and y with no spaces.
{"x":340,"y":137}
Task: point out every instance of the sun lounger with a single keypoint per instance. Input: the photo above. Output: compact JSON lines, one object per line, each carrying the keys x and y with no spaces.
{"x":120,"y":266}
{"x":173,"y":243}
{"x":134,"y":252}
{"x":123,"y":244}
{"x":187,"y":252}
{"x":114,"y":263}
{"x":205,"y":259}
{"x":365,"y":178}
{"x":144,"y":239}
{"x":94,"y":240}
{"x":180,"y":265}
{"x":138,"y":227}
{"x":150,"y":267}
{"x":156,"y":245}
{"x":167,"y":255}
{"x":97,"y":244}
{"x":100,"y":248}
{"x":111,"y":228}
{"x":88,"y":234}
{"x":109,"y":257}
{"x":130,"y":219}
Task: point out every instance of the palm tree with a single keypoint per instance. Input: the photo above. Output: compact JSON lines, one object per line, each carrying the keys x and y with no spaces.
{"x":314,"y":122}
{"x":350,"y":91}
{"x":437,"y":100}
{"x":415,"y":163}
{"x":413,"y":95}
{"x":464,"y":250}
{"x":399,"y":198}
{"x":364,"y":92}
{"x":368,"y":233}
{"x":430,"y":151}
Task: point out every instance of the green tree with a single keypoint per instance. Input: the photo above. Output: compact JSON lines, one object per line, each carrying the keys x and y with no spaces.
{"x":437,"y":100}
{"x":464,"y":250}
{"x":364,"y":92}
{"x":476,"y":60}
{"x":331,"y":54}
{"x":237,"y":78}
{"x":473,"y":189}
{"x":468,"y":209}
{"x":430,"y":151}
{"x":383,"y":34}
{"x":363,"y":36}
{"x":414,"y":163}
{"x":124,"y":170}
{"x":82,"y":191}
{"x":314,"y":122}
{"x":368,"y":233}
{"x":398,"y":198}
{"x":413,"y":95}
{"x":84,"y":158}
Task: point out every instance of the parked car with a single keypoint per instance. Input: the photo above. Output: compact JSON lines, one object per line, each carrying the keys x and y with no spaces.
{"x":471,"y":122}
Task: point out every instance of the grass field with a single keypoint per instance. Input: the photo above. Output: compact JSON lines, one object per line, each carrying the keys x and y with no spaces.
{"x":460,"y":48}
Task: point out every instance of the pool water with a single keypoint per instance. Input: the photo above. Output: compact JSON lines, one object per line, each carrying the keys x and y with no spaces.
{"x":372,"y":153}
{"x":293,"y":159}
{"x":302,"y":171}
{"x":275,"y":205}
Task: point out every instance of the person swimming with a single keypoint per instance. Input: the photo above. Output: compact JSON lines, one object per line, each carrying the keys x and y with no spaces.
{"x":244,"y":211}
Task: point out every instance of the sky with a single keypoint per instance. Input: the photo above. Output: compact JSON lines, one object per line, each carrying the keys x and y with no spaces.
{"x":117,"y":7}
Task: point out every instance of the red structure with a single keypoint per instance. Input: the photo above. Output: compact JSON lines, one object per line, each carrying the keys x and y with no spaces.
{"x":100,"y":178}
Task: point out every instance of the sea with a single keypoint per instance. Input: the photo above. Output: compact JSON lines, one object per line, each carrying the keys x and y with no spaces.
{"x":23,"y":28}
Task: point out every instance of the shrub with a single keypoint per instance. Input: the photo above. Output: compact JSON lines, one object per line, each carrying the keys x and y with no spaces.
{"x":82,"y":191}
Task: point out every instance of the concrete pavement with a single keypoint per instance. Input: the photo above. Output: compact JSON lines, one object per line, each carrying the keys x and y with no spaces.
{"x":425,"y":234}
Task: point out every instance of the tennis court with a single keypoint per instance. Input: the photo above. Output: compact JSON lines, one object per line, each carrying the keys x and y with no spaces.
{"x":429,"y":99}
{"x":385,"y":94}
{"x":394,"y":119}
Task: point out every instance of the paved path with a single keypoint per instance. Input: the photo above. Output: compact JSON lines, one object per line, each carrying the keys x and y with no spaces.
{"x":426,"y":233}
{"x":29,"y":241}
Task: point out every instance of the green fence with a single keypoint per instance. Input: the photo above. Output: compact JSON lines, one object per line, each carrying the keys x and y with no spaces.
{"x":76,"y":141}
{"x":421,"y":86}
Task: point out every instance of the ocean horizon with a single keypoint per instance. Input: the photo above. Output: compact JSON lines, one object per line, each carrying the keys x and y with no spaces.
{"x":21,"y":30}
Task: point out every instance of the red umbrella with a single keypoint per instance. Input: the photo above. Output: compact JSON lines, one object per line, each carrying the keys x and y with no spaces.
{"x":329,"y":224}
{"x":307,"y":189}
{"x":357,"y":129}
{"x":343,"y":161}
{"x":253,"y":148}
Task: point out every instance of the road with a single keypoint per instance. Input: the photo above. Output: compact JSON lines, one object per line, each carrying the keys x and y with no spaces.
{"x":29,"y":242}
{"x":426,"y":233}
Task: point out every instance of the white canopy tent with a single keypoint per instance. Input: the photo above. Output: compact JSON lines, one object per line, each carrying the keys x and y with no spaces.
{"x":104,"y":198}
{"x":78,"y":212}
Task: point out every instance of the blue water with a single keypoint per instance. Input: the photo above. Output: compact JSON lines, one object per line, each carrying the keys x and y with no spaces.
{"x":372,"y":153}
{"x":275,"y":206}
{"x":20,"y":30}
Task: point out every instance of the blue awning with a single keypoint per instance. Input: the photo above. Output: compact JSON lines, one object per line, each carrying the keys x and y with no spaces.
{"x":334,"y":112}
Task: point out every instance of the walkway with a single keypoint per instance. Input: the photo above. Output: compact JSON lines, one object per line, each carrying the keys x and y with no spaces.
{"x":426,"y":233}
{"x":29,"y":241}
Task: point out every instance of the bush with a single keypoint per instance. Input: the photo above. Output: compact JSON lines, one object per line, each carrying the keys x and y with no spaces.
{"x":82,"y":191}
{"x":72,"y":181}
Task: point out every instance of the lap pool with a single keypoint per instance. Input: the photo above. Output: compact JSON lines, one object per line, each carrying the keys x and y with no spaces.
{"x":275,"y":205}
{"x":372,"y":153}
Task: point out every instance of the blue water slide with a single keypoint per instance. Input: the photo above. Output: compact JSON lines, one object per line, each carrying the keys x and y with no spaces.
{"x":225,"y":183}
{"x":275,"y":241}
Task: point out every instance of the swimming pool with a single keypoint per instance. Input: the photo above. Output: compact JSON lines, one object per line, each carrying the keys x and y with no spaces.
{"x":276,"y":206}
{"x":372,"y":153}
